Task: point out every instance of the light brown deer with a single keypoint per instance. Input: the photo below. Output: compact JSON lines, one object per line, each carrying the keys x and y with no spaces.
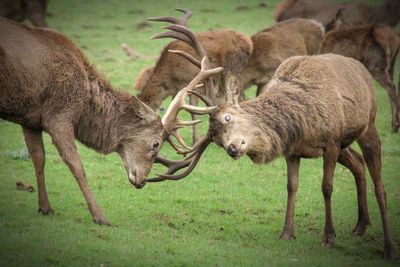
{"x":313,"y":106}
{"x":324,"y":11}
{"x":47,"y":85}
{"x":375,"y":46}
{"x":275,"y":44}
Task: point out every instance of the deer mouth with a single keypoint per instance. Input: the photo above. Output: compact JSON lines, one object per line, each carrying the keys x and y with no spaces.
{"x":133,"y":179}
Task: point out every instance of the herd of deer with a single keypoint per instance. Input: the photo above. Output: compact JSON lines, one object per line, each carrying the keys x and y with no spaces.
{"x":315,"y":97}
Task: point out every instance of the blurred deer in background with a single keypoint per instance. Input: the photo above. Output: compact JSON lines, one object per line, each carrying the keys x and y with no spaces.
{"x":324,"y":11}
{"x":275,"y":44}
{"x":19,"y":10}
{"x":375,"y":46}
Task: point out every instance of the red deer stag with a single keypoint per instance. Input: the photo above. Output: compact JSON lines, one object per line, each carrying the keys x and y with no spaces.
{"x":324,"y":11}
{"x":313,"y":106}
{"x":19,"y":10}
{"x":273,"y":45}
{"x":47,"y":85}
{"x":374,"y":46}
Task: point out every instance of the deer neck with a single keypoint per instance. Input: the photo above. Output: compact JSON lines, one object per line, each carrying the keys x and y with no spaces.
{"x":98,"y":127}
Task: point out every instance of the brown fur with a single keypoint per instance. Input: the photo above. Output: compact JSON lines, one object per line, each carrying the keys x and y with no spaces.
{"x":19,"y":10}
{"x":374,"y":46}
{"x":143,"y":78}
{"x":225,"y":48}
{"x":48,"y":85}
{"x":324,"y":11}
{"x":273,"y":45}
{"x":313,"y":106}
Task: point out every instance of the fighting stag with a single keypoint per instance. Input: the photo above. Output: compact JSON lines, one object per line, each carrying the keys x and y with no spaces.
{"x":47,"y":85}
{"x":314,"y":106}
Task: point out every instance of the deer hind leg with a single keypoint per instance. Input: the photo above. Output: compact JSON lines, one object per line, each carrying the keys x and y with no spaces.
{"x":353,"y":161}
{"x":330,"y":158}
{"x":371,"y":147}
{"x":194,"y":101}
{"x":390,"y":87}
{"x":65,"y":142}
{"x":293,"y":164}
{"x":34,"y":142}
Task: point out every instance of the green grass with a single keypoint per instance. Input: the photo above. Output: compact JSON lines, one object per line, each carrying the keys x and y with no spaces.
{"x":226,"y":213}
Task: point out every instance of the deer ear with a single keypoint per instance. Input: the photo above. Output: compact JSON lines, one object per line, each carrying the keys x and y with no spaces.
{"x":142,"y":110}
{"x":233,"y":89}
{"x":339,"y":20}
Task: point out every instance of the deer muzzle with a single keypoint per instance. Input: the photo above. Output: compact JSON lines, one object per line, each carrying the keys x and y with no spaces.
{"x":134,"y":180}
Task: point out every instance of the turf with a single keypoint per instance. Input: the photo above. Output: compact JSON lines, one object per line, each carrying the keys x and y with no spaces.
{"x":226,"y":213}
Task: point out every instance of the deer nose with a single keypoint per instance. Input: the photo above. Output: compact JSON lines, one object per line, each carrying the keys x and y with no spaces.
{"x":133,"y":178}
{"x":232,"y":150}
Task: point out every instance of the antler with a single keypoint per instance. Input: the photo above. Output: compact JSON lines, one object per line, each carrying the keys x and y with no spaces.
{"x":179,"y":21}
{"x":170,"y":120}
{"x":180,"y":31}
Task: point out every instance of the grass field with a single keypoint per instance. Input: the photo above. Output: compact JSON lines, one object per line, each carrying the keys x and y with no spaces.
{"x":226,"y":213}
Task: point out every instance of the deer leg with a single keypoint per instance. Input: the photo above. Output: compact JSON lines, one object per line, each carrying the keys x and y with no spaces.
{"x":293,"y":164}
{"x":330,"y":158}
{"x":34,"y":142}
{"x":194,"y":101}
{"x":65,"y":143}
{"x":353,"y":161}
{"x":390,"y":88}
{"x":371,"y":148}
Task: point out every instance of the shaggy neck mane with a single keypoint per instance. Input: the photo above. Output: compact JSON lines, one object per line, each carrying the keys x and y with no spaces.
{"x":282,"y":126}
{"x":99,"y":124}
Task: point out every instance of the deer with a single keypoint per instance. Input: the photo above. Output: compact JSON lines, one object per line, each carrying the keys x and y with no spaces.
{"x":226,"y":48}
{"x":314,"y":106}
{"x":273,"y":45}
{"x":47,"y":85}
{"x":143,"y":78}
{"x":376,"y":46}
{"x":356,"y":14}
{"x":19,"y":10}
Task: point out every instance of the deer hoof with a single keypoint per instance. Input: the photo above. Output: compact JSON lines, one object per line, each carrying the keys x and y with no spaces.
{"x":359,"y":230}
{"x":389,"y":253}
{"x":328,"y":240}
{"x":45,"y":210}
{"x":287,"y":235}
{"x":101,"y":221}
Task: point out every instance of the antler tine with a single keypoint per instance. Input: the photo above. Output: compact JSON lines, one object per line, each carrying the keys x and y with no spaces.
{"x":180,"y":21}
{"x":188,"y":56}
{"x":174,"y":166}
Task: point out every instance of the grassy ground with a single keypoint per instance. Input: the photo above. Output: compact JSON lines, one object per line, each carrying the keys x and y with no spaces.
{"x":227,"y":213}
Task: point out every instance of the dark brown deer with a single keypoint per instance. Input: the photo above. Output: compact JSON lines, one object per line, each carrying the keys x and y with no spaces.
{"x":375,"y":46}
{"x":19,"y":10}
{"x":313,"y":106}
{"x":324,"y":11}
{"x":47,"y":85}
{"x":273,"y":45}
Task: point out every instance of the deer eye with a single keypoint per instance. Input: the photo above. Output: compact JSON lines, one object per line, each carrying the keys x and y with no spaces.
{"x":156,"y":144}
{"x":227,"y":118}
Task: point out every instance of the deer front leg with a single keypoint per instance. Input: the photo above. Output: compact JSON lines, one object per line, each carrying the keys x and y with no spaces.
{"x":65,"y":142}
{"x":390,"y":88}
{"x":330,"y":158}
{"x":34,"y":142}
{"x":293,"y":164}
